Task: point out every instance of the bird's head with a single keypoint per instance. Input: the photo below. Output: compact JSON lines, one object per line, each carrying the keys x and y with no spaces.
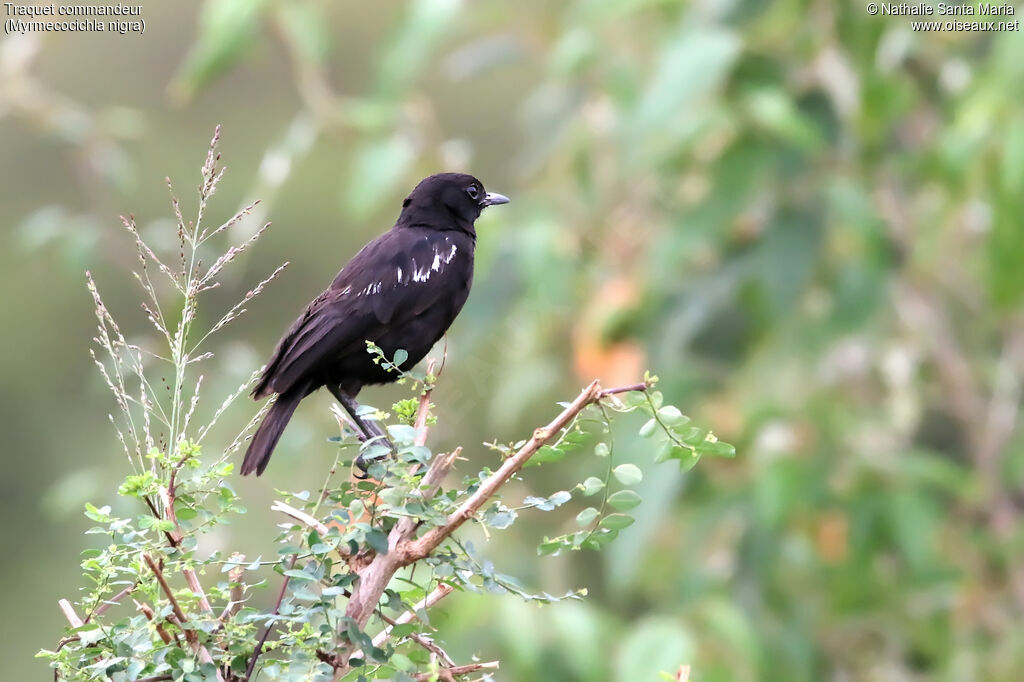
{"x":447,"y":201}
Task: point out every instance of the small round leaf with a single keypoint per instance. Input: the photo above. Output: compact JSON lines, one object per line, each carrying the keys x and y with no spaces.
{"x":628,"y":474}
{"x":625,"y":499}
{"x":592,"y":485}
{"x":587,"y":516}
{"x":617,"y":521}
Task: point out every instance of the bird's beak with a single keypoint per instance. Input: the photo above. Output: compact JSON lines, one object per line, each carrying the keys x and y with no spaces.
{"x":493,"y":199}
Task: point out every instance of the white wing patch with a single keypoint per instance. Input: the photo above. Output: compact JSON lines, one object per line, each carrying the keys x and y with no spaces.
{"x":423,"y":274}
{"x":372,"y":288}
{"x":415,"y":275}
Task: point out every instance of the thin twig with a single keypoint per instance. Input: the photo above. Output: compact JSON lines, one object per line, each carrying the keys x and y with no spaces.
{"x":102,"y":608}
{"x":422,"y":639}
{"x":436,"y":595}
{"x":150,"y":615}
{"x":642,"y":386}
{"x":69,"y":613}
{"x":300,"y":515}
{"x":175,"y":607}
{"x":460,"y":670}
{"x":270,"y":625}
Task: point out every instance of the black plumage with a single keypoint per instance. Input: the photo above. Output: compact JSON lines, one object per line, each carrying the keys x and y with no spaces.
{"x":401,"y":291}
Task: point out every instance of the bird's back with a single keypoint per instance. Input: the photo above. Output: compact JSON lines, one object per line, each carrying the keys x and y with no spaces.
{"x":401,"y":291}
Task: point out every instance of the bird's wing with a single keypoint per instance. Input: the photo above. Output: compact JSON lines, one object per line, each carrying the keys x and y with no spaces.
{"x":426,"y":266}
{"x":397,"y":276}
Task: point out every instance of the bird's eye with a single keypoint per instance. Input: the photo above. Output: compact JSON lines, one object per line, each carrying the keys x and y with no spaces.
{"x":473,"y":192}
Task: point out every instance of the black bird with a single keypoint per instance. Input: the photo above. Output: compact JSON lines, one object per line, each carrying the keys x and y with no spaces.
{"x":401,"y":291}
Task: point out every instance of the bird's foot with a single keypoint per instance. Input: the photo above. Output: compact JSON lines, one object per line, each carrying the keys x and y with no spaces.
{"x":374,"y":443}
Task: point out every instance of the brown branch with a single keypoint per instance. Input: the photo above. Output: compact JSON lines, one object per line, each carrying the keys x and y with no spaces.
{"x":150,"y":615}
{"x":102,"y":608}
{"x":423,"y":411}
{"x":299,"y":515}
{"x":374,"y":578}
{"x":450,"y":673}
{"x":425,"y":545}
{"x":430,"y":645}
{"x":190,"y":636}
{"x":69,"y":613}
{"x":175,"y":607}
{"x":175,"y":538}
{"x":642,"y":386}
{"x":405,"y":549}
{"x":438,"y":469}
{"x":422,"y":639}
{"x":237,"y":589}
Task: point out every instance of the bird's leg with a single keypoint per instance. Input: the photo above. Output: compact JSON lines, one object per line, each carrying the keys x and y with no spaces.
{"x":371,"y":430}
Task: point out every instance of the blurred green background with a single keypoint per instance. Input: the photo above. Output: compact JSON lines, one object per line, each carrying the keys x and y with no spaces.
{"x":805,"y":219}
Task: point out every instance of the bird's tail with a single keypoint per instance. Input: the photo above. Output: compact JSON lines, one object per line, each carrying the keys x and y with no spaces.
{"x":270,"y":430}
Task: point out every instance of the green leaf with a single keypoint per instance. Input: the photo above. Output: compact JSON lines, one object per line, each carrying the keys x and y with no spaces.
{"x":550,"y":546}
{"x":601,"y":537}
{"x":648,"y":429}
{"x":548,"y":503}
{"x":401,"y":355}
{"x":499,"y":516}
{"x":186,"y":513}
{"x":671,"y":416}
{"x":656,"y":398}
{"x":601,"y":449}
{"x":591,"y":486}
{"x":547,"y":453}
{"x":99,"y":515}
{"x":716,"y":449}
{"x":628,"y":474}
{"x":665,"y":449}
{"x":617,"y":521}
{"x":378,"y":541}
{"x":401,"y":434}
{"x":138,"y":485}
{"x":560,"y":498}
{"x":693,"y":435}
{"x":625,"y":499}
{"x":587,"y":516}
{"x":401,"y":662}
